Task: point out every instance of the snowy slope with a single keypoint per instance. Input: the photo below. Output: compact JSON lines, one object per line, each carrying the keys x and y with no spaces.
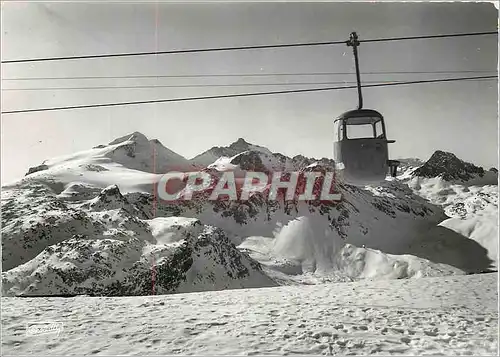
{"x":468,"y":194}
{"x":428,"y":316}
{"x":482,"y":229}
{"x":135,"y":151}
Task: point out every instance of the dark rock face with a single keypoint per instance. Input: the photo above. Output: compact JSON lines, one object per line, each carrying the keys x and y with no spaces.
{"x":111,"y":198}
{"x":38,"y":168}
{"x":449,"y":167}
{"x":249,"y":161}
{"x":240,"y":145}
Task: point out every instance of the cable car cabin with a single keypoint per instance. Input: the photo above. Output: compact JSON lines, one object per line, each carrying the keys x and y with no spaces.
{"x":360,"y":147}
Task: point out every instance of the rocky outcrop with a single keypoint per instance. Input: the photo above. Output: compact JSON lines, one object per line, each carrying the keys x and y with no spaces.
{"x":38,"y":168}
{"x":449,"y":167}
{"x":108,"y":267}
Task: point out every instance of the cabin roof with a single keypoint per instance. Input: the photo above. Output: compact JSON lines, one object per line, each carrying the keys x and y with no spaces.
{"x":360,"y":116}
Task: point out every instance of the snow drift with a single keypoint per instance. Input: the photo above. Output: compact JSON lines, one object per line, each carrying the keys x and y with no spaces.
{"x":304,"y":247}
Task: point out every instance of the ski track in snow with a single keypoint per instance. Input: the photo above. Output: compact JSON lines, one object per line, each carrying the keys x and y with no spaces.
{"x":446,"y":315}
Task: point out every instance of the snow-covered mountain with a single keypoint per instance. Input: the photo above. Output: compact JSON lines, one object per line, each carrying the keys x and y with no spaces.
{"x":117,"y":267}
{"x":252,"y":157}
{"x":101,"y":247}
{"x":450,"y":168}
{"x":90,"y":223}
{"x":133,"y":161}
{"x":137,"y":152}
{"x":467,"y":193}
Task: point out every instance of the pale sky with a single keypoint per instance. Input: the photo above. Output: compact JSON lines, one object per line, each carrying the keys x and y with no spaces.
{"x":458,"y":117}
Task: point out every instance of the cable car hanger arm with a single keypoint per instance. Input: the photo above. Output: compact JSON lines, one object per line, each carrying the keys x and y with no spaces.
{"x":354,"y":43}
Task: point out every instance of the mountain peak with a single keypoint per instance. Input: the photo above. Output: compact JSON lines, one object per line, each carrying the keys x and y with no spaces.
{"x":240,"y":143}
{"x":449,"y":167}
{"x":138,"y":134}
{"x":135,"y":137}
{"x":439,"y":154}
